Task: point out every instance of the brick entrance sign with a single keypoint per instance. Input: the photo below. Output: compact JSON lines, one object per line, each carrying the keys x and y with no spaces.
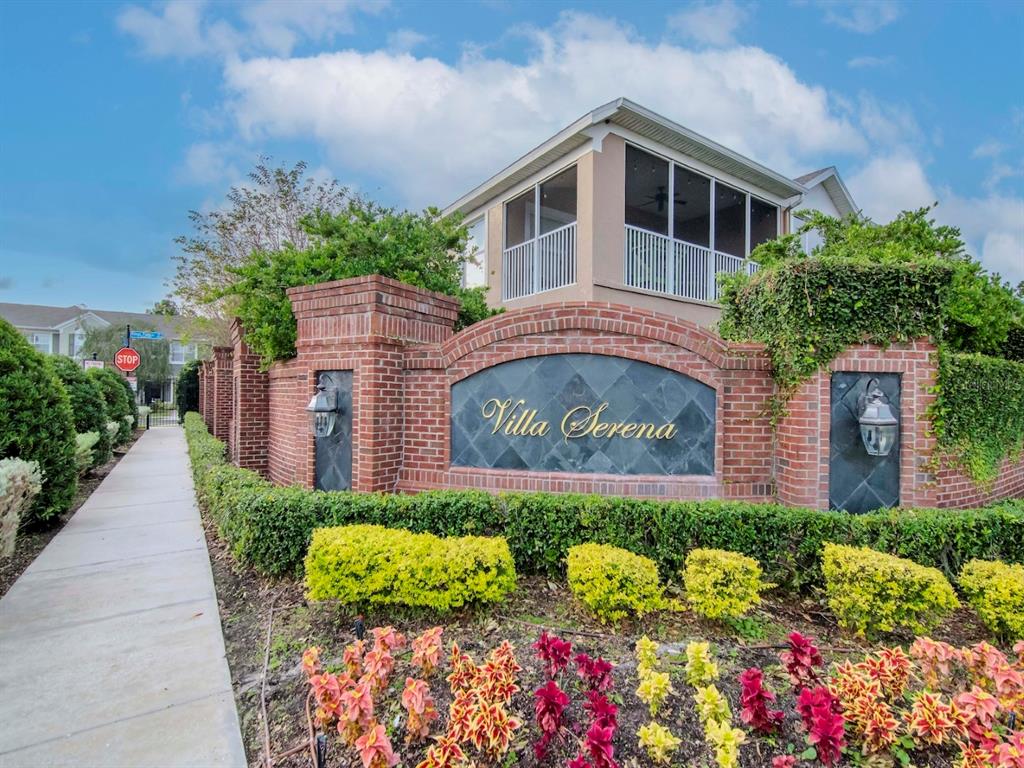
{"x":604,"y":399}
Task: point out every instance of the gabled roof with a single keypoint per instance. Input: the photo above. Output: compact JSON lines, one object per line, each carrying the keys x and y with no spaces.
{"x":644,"y":122}
{"x":834,"y":187}
{"x":51,"y":318}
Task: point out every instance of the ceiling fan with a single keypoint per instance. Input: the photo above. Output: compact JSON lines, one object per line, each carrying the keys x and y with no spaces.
{"x":661,"y":197}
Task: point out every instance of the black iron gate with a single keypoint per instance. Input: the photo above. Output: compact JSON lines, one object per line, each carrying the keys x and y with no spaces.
{"x":157,"y":415}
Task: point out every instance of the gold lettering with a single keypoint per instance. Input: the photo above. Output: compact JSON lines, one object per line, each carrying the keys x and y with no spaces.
{"x":516,"y":418}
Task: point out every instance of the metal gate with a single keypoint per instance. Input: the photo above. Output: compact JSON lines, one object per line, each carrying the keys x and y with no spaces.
{"x":334,"y":452}
{"x":157,"y":415}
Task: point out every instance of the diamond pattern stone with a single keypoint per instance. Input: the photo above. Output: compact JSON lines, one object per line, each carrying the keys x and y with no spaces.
{"x":334,"y":452}
{"x":553,"y":384}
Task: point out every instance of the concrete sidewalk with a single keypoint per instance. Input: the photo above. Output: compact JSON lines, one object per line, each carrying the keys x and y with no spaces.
{"x":111,"y":652}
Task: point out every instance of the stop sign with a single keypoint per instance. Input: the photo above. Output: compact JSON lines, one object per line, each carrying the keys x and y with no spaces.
{"x":127,"y":359}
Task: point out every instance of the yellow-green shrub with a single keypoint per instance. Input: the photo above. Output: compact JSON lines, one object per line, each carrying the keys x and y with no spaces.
{"x":872,"y":592}
{"x":721,"y":584}
{"x":996,"y":591}
{"x":613,"y":583}
{"x":373,"y":565}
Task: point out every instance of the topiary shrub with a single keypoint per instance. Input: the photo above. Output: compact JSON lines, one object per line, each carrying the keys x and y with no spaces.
{"x":613,"y":583}
{"x":996,"y":591}
{"x":87,"y":405}
{"x":36,"y":423}
{"x":872,"y":592}
{"x":372,"y":565}
{"x":120,"y":404}
{"x":721,"y":584}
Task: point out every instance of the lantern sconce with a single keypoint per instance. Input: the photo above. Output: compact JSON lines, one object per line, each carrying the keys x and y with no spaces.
{"x":879,"y":427}
{"x":323,"y":408}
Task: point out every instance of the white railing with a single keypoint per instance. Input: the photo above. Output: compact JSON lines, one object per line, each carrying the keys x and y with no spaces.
{"x":541,"y":264}
{"x":658,"y":263}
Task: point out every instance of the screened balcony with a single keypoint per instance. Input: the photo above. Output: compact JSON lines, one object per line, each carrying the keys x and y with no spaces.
{"x":540,"y":258}
{"x":684,"y":228}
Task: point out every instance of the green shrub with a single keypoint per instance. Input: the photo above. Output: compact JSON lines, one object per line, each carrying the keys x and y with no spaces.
{"x":87,"y":405}
{"x":120,"y":404}
{"x":721,"y":584}
{"x":186,"y":388}
{"x":613,"y":583}
{"x":996,"y":591}
{"x":872,"y":592}
{"x":372,"y":565}
{"x":271,"y":526}
{"x":132,"y":402}
{"x":36,"y":423}
{"x":84,"y":444}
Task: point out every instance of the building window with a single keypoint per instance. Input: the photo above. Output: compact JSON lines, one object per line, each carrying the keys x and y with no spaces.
{"x":646,"y":191}
{"x":558,"y":201}
{"x":692,"y":207}
{"x":474,"y":270}
{"x":519,"y":218}
{"x":41,"y":342}
{"x":76,"y":342}
{"x":182,"y":353}
{"x":730,"y":220}
{"x":764,"y":222}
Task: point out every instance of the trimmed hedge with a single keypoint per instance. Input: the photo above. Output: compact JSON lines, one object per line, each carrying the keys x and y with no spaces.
{"x":722,"y":585}
{"x":87,"y":405}
{"x":269,"y":527}
{"x":613,"y":583}
{"x":372,"y":565}
{"x":996,"y":591}
{"x":36,"y":423}
{"x":120,"y":404}
{"x":872,"y":592}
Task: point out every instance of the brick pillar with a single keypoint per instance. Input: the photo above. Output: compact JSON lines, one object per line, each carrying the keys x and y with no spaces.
{"x":250,"y":428}
{"x":801,"y":445}
{"x":206,"y":402}
{"x":201,"y":405}
{"x":222,"y":393}
{"x":362,"y":325}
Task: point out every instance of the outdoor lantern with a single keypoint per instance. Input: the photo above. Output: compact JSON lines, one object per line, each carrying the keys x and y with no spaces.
{"x":878,"y":425}
{"x":323,"y":408}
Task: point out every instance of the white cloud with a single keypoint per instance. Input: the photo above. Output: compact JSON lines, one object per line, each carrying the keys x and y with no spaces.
{"x":887,"y":124}
{"x":989,"y":148}
{"x":863,"y":16}
{"x":186,"y":28}
{"x":447,"y":126}
{"x":208,"y":163}
{"x":871,"y":62}
{"x":992,"y":225}
{"x":709,"y":23}
{"x":405,"y":40}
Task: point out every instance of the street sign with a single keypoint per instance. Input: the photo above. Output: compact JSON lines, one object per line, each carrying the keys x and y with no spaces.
{"x":92,"y":364}
{"x":127,"y":359}
{"x":133,"y":382}
{"x":146,"y":335}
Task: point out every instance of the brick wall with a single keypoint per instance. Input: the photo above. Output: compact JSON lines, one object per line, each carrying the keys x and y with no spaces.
{"x":959,"y":491}
{"x":223,"y":395}
{"x":399,"y":344}
{"x":250,"y":425}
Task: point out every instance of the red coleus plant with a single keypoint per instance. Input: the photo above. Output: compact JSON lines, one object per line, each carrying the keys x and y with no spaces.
{"x":596,"y":674}
{"x":825,"y":726}
{"x":550,"y":703}
{"x":554,"y":652}
{"x":601,"y":710}
{"x":754,"y":700}
{"x":597,"y":750}
{"x":802,"y":661}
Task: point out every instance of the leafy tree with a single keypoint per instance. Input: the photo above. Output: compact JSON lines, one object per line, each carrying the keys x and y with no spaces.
{"x":422,"y":249}
{"x":120,"y":406}
{"x":186,"y":389}
{"x":980,"y":308}
{"x":262,"y":216}
{"x":155,"y":353}
{"x":166,"y":307}
{"x":88,"y":405}
{"x":36,"y":423}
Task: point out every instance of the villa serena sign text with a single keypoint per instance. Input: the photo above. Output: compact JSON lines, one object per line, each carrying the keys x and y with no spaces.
{"x":583,"y":413}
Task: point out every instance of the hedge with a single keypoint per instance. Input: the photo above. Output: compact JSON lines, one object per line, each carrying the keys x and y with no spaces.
{"x":186,"y":388}
{"x":269,"y":526}
{"x":36,"y":423}
{"x":120,"y":403}
{"x":88,"y":405}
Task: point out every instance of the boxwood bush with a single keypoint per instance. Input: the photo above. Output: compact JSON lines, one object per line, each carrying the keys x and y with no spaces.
{"x":36,"y":423}
{"x":269,"y":526}
{"x":119,"y":402}
{"x":88,"y":405}
{"x":996,"y":591}
{"x":614,"y":583}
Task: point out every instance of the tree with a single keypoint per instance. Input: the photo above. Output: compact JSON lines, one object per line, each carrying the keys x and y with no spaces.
{"x":156,"y":353}
{"x":166,"y":307}
{"x":263,"y":216}
{"x":186,"y":389}
{"x":423,"y":249}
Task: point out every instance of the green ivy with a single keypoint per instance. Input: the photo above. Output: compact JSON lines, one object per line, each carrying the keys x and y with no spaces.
{"x":979,"y":412}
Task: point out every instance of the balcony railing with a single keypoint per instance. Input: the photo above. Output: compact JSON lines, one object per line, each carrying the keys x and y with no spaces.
{"x":658,"y":263}
{"x":542,"y":264}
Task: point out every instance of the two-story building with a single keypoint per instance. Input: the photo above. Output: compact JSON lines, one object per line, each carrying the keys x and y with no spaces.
{"x":62,"y":331}
{"x":626,"y":206}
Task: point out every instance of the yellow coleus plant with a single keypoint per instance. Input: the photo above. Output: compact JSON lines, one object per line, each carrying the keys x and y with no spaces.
{"x":701,"y":668}
{"x":658,"y":742}
{"x":712,"y":706}
{"x":726,"y":741}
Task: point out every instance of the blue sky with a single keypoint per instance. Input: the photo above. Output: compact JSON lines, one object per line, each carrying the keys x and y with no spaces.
{"x":120,"y":118}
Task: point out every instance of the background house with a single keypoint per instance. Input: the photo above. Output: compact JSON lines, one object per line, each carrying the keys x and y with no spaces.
{"x":626,"y":206}
{"x":62,"y":331}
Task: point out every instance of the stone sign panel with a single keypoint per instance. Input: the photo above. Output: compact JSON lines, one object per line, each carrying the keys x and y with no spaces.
{"x":334,"y":453}
{"x":583,"y":413}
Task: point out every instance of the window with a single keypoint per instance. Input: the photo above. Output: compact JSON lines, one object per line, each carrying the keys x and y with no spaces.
{"x":764,"y":222}
{"x":646,"y":191}
{"x":42,"y":342}
{"x":558,"y":201}
{"x":76,"y":342}
{"x":474,"y":272}
{"x":519,"y":218}
{"x":692,"y":207}
{"x":730,"y":220}
{"x":182,"y":353}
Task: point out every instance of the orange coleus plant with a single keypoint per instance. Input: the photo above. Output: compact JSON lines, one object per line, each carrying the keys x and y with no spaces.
{"x":419,"y":706}
{"x":426,"y":651}
{"x":931,"y":721}
{"x":375,"y":748}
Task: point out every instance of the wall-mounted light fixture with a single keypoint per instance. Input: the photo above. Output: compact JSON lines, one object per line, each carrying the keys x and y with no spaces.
{"x":879,"y":427}
{"x":323,"y":408}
